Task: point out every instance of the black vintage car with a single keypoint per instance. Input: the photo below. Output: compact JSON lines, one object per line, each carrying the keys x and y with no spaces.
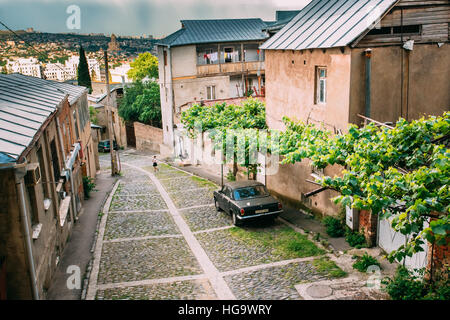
{"x":104,"y":146}
{"x":245,"y":200}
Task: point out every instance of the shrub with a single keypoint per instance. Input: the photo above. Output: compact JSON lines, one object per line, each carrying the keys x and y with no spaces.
{"x":230,"y":176}
{"x":364,"y":262}
{"x":405,"y":285}
{"x":88,"y":186}
{"x":335,"y":227}
{"x":355,"y":239}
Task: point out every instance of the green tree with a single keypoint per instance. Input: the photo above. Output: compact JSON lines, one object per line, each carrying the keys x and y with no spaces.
{"x":142,"y":103}
{"x":84,"y":79}
{"x":146,"y":65}
{"x":93,"y":115}
{"x":225,"y":121}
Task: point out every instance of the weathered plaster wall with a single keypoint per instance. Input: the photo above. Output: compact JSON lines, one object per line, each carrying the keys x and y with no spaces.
{"x":290,"y":91}
{"x":290,"y":87}
{"x":426,"y":88}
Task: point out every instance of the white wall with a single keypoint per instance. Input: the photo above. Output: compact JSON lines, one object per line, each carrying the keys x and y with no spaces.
{"x":184,"y":61}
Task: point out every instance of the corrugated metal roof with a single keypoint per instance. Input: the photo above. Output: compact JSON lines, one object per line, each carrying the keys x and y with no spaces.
{"x":328,"y":24}
{"x":25,"y":104}
{"x":211,"y":31}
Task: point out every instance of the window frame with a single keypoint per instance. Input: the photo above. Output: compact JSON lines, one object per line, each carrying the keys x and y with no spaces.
{"x":209,"y":92}
{"x":318,"y":87}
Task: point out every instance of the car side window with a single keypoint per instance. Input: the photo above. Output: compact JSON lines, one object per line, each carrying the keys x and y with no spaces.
{"x":227,"y":192}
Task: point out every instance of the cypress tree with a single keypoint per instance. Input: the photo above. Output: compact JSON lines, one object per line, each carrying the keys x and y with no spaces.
{"x":84,"y":79}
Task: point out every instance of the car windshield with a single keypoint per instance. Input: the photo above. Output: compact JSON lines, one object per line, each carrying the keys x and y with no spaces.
{"x":250,"y":192}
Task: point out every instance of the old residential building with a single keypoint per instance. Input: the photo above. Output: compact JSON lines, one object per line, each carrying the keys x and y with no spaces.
{"x":45,"y":149}
{"x":208,"y":60}
{"x":337,"y":60}
{"x":103,"y":114}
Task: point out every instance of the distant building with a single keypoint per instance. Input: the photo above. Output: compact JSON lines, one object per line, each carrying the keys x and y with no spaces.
{"x":56,"y":72}
{"x":114,"y":44}
{"x":120,"y":74}
{"x":27,"y":67}
{"x":68,"y":71}
{"x":99,"y":103}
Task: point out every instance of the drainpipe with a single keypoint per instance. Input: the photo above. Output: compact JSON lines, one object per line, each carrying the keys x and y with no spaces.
{"x":20,"y":171}
{"x":172,"y":98}
{"x":368,"y":55}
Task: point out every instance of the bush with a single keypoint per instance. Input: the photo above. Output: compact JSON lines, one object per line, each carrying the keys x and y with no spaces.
{"x":364,"y":262}
{"x":88,"y":186}
{"x":405,"y":285}
{"x":355,"y":239}
{"x":230,"y":176}
{"x":335,"y":227}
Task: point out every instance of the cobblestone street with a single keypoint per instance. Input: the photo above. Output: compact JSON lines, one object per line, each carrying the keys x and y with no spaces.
{"x":160,"y":237}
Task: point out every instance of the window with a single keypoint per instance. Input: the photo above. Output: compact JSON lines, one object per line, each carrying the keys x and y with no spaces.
{"x":211,"y":92}
{"x":250,"y":192}
{"x":75,"y":123}
{"x":165,"y":57}
{"x":411,"y":29}
{"x":321,"y":85}
{"x":44,"y":183}
{"x":55,"y":162}
{"x":227,"y":192}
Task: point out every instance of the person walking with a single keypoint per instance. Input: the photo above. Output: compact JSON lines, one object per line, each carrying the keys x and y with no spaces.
{"x":155,"y":163}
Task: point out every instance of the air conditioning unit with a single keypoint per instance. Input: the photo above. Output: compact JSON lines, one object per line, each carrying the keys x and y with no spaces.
{"x":33,"y":176}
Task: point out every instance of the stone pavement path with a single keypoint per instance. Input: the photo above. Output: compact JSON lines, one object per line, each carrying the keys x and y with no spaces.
{"x":161,"y":238}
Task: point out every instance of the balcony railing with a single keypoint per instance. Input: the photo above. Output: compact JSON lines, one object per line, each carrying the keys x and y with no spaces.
{"x":230,"y":68}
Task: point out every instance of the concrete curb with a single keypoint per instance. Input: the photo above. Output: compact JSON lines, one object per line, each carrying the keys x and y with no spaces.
{"x":97,"y":246}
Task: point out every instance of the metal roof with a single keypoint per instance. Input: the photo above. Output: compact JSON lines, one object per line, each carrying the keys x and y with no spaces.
{"x":25,"y":104}
{"x":211,"y":31}
{"x":328,"y":24}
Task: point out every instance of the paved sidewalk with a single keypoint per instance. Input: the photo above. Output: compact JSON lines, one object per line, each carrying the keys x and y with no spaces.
{"x":78,"y":249}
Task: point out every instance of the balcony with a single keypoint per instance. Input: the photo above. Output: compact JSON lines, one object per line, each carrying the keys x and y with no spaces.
{"x":231,"y":68}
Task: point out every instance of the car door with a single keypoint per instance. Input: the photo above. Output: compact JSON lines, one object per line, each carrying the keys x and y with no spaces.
{"x":227,"y":199}
{"x":219,"y":197}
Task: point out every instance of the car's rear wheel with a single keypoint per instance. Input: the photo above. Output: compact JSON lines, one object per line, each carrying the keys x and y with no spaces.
{"x":216,"y":204}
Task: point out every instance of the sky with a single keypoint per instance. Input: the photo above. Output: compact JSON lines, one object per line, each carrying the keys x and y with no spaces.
{"x":132,"y":17}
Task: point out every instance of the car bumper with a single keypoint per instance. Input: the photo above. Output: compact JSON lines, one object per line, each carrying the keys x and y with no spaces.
{"x":267,"y":214}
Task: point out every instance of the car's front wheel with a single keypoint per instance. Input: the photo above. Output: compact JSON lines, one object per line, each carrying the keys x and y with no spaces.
{"x":216,"y":204}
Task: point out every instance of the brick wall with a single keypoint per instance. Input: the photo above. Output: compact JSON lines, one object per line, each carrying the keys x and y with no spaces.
{"x":148,"y":138}
{"x":440,"y":256}
{"x":368,"y":226}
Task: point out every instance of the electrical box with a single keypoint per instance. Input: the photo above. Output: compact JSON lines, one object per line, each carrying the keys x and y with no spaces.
{"x":33,"y":176}
{"x":352,"y":218}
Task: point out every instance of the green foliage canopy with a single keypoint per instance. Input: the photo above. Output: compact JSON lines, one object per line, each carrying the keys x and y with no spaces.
{"x":146,"y":65}
{"x":84,"y":78}
{"x":141,"y":103}
{"x":223,"y":121}
{"x":401,"y":172}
